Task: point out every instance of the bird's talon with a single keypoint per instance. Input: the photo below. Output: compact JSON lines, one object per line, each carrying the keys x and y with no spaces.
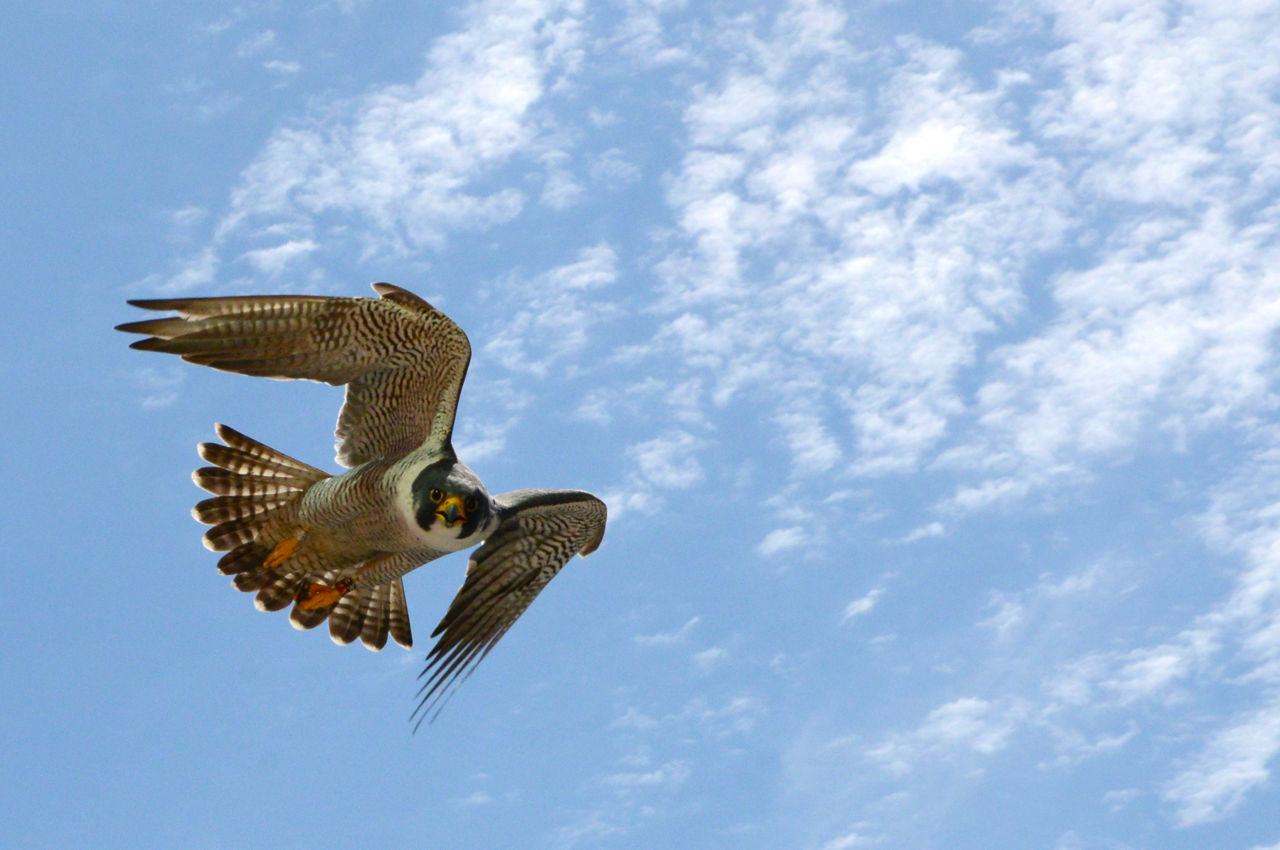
{"x":321,"y":596}
{"x":285,"y":549}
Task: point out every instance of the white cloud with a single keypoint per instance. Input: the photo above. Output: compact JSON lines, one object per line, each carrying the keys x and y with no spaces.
{"x":1073,"y":747}
{"x":667,"y":775}
{"x":591,"y":829}
{"x":923,"y":532}
{"x":781,"y":540}
{"x":160,"y":387}
{"x":1168,"y":316}
{"x":1014,"y":284}
{"x":272,"y":261}
{"x":476,"y":798}
{"x":967,"y":724}
{"x":196,"y":271}
{"x":741,"y":104}
{"x":549,"y":317}
{"x":890,"y":226}
{"x":480,"y":441}
{"x":635,"y":719}
{"x":641,"y":35}
{"x":733,"y":716}
{"x":1008,"y":616}
{"x":256,"y":43}
{"x":668,"y":462}
{"x":709,"y":659}
{"x":879,"y":306}
{"x":188,"y":216}
{"x":560,"y":191}
{"x":945,"y":141}
{"x":862,"y":605}
{"x":1053,"y":602}
{"x":813,"y":448}
{"x":1117,"y":799}
{"x":671,"y":638}
{"x":855,"y":838}
{"x":611,"y":169}
{"x":1232,"y":763}
{"x":395,"y":170}
{"x":660,"y":759}
{"x":282,"y":67}
{"x":736,"y":716}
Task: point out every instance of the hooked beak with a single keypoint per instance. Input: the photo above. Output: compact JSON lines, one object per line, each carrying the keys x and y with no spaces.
{"x":452,"y":511}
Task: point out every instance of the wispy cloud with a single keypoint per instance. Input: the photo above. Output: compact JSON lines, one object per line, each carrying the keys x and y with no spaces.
{"x":404,"y":163}
{"x":781,"y":540}
{"x":869,"y":323}
{"x":1233,"y":763}
{"x":862,"y":605}
{"x":272,"y":261}
{"x":476,"y":798}
{"x":968,"y":724}
{"x":671,"y":638}
{"x":283,"y":67}
{"x":256,"y":43}
{"x":710,"y":658}
{"x":668,"y":462}
{"x":855,"y":838}
{"x":670,"y":774}
{"x":551,"y":316}
{"x":657,"y":774}
{"x":160,"y":386}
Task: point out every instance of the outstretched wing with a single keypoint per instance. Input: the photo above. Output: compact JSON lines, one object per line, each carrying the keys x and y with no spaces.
{"x":540,"y":531}
{"x":402,"y":360}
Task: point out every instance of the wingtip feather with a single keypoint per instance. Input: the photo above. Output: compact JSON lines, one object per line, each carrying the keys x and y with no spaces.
{"x":154,"y":303}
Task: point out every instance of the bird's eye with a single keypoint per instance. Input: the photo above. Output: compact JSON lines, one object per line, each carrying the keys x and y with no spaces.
{"x":471,"y":503}
{"x":436,"y":496}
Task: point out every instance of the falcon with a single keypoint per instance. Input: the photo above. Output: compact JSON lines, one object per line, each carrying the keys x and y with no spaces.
{"x":336,"y":547}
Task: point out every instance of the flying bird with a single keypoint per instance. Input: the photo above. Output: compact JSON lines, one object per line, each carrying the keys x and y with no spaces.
{"x":335,"y":547}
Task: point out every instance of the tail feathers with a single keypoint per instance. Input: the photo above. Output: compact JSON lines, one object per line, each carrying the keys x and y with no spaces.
{"x":373,"y":629}
{"x":226,"y":483}
{"x":255,"y":505}
{"x":245,"y":563}
{"x":235,"y":460}
{"x":369,"y":613}
{"x":255,"y":490}
{"x":223,"y":508}
{"x":281,"y":588}
{"x":256,"y":493}
{"x":268,"y":457}
{"x":348,"y":615}
{"x":398,"y":616}
{"x":236,"y":532}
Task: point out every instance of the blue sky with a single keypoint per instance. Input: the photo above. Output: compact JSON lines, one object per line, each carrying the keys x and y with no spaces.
{"x":924,"y":353}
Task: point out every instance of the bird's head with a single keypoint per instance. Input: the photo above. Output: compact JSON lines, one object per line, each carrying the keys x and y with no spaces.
{"x":448,"y":495}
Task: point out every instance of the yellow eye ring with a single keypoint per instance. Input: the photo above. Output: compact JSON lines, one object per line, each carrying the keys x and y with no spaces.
{"x":471,"y":503}
{"x":436,"y":496}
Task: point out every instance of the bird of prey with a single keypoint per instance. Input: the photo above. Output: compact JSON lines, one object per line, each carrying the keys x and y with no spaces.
{"x":335,"y":547}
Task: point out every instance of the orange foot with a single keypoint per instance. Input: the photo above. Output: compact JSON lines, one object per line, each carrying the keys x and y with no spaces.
{"x":321,"y":596}
{"x":285,"y":549}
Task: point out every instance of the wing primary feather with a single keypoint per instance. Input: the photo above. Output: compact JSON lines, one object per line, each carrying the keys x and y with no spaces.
{"x":403,"y":362}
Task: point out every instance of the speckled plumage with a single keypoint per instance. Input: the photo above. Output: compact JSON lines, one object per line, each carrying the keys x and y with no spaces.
{"x":286,"y":526}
